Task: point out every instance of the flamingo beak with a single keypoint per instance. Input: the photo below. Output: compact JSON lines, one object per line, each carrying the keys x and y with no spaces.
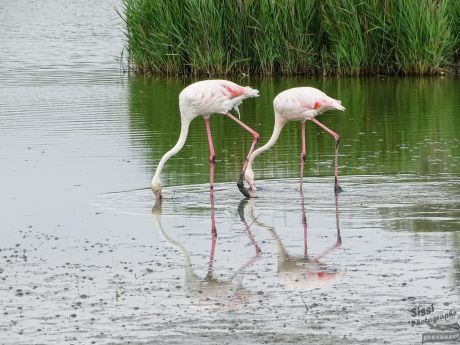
{"x":339,"y":105}
{"x":158,"y":195}
{"x":241,"y":186}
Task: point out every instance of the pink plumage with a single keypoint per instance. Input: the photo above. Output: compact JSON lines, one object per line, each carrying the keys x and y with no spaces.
{"x":213,"y":97}
{"x":303,"y":103}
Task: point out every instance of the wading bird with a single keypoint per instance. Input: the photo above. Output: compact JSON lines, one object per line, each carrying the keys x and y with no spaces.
{"x":205,"y":98}
{"x":297,"y":104}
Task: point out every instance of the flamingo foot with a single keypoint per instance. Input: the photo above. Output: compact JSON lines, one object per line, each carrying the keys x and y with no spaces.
{"x":241,"y":186}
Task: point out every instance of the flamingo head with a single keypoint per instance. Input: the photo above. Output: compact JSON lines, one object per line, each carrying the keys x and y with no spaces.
{"x":156,"y":189}
{"x":249,"y":177}
{"x":336,"y":104}
{"x":328,"y":104}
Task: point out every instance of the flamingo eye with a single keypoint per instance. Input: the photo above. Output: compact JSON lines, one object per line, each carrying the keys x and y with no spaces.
{"x":317,"y":105}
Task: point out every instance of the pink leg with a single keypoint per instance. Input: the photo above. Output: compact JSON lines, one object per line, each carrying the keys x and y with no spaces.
{"x":212,"y":254}
{"x":303,"y":155}
{"x":256,"y":137}
{"x":337,"y":188}
{"x":337,"y":220}
{"x":247,"y":226}
{"x":251,"y":238}
{"x":305,"y":228}
{"x":338,"y":242}
{"x":212,"y":156}
{"x":213,"y":240}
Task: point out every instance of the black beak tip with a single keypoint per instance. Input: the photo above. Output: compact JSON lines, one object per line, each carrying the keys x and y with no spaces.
{"x":243,"y":190}
{"x":241,"y":186}
{"x":338,"y":189}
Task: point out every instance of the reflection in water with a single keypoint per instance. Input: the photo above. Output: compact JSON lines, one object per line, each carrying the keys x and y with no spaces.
{"x":209,"y":290}
{"x":299,"y":272}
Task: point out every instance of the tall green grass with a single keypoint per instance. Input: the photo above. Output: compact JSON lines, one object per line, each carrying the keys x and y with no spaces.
{"x":454,"y":17}
{"x":268,"y":37}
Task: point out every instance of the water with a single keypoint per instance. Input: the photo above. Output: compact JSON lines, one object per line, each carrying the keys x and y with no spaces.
{"x":87,"y":257}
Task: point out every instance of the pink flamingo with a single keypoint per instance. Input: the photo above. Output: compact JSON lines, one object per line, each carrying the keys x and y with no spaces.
{"x":298,"y":104}
{"x":205,"y":98}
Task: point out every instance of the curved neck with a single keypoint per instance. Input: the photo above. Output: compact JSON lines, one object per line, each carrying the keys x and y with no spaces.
{"x":185,"y":255}
{"x":279,"y":124}
{"x":180,"y":143}
{"x":282,"y":252}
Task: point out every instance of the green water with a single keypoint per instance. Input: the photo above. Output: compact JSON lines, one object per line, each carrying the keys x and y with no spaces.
{"x":390,"y":126}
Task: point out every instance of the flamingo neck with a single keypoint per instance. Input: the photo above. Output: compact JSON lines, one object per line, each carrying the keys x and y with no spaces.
{"x":189,"y":274}
{"x":282,"y":252}
{"x":279,"y":124}
{"x":179,"y":145}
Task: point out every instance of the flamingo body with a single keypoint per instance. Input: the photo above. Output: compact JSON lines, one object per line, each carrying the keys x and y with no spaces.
{"x":303,"y":103}
{"x":208,"y":97}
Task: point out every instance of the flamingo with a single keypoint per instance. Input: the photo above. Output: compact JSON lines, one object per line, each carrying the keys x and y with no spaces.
{"x":297,"y":104}
{"x":204,"y":98}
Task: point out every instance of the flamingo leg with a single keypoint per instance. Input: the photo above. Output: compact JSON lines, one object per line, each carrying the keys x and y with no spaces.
{"x":337,"y":221}
{"x":212,"y":155}
{"x":212,"y":254}
{"x":213,"y":240}
{"x":338,"y":242}
{"x":305,"y":227}
{"x":303,"y":154}
{"x":247,"y":227}
{"x":337,"y":188}
{"x":256,"y":137}
{"x":251,"y":238}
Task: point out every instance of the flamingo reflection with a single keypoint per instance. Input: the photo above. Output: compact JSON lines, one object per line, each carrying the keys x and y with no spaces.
{"x":209,"y":290}
{"x":294,"y":271}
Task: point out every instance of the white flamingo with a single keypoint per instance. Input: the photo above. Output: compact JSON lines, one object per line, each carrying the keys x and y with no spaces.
{"x":205,"y":98}
{"x":298,"y":104}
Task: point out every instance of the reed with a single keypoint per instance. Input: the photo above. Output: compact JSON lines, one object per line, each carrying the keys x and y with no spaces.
{"x":269,"y":37}
{"x":453,"y":8}
{"x":422,"y":39}
{"x":343,"y":45}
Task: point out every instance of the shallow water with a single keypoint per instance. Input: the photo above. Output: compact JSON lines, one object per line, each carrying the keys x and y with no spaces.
{"x":87,"y":257}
